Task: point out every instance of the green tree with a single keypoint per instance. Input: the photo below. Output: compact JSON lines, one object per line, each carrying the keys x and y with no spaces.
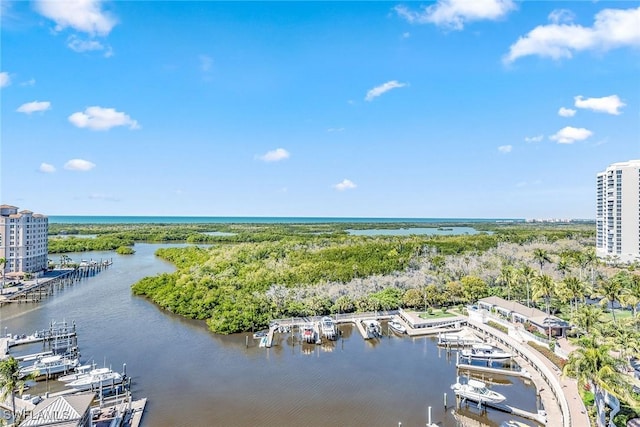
{"x":544,"y":287}
{"x":526,"y":275}
{"x":563,"y":266}
{"x":575,"y":288}
{"x":507,"y":278}
{"x":587,"y":316}
{"x":541,"y":256}
{"x":413,"y":298}
{"x":593,"y":364}
{"x":10,"y":381}
{"x":631,"y":293}
{"x":611,"y":289}
{"x":474,"y":288}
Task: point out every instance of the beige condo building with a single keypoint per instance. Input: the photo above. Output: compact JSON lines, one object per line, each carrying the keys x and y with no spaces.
{"x":618,"y":211}
{"x":23,"y":240}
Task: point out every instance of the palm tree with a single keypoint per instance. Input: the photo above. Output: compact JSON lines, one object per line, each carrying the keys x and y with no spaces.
{"x":631,"y":294}
{"x":563,"y":265}
{"x":624,"y":340}
{"x":544,"y":287}
{"x":576,"y":288}
{"x":10,"y":381}
{"x":611,"y":290}
{"x":587,"y":316}
{"x":507,"y":278}
{"x":541,"y":256}
{"x":593,"y":364}
{"x":592,"y":261}
{"x":527,"y":274}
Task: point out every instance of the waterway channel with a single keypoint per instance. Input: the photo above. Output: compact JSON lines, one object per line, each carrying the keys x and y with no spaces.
{"x":195,"y":378}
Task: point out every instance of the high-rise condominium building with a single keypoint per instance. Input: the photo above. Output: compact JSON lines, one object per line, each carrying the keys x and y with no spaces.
{"x":23,"y":240}
{"x":618,"y":211}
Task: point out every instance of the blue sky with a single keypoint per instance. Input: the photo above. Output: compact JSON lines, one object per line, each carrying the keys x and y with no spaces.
{"x":485,"y":109}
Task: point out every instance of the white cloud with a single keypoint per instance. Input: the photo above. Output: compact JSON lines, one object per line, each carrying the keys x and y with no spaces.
{"x":561,"y":16}
{"x":346,"y":184}
{"x":86,"y":16}
{"x":46,"y":168}
{"x":5,"y":79}
{"x":536,"y":138}
{"x":612,"y":28}
{"x":406,"y":35}
{"x":335,"y":130}
{"x":205,"y":62}
{"x":607,"y":104}
{"x":385,"y":87}
{"x":569,"y":135}
{"x":32,"y":107}
{"x":79,"y":45}
{"x":505,"y":148}
{"x":454,"y":14}
{"x":98,"y":118}
{"x":566,"y":112}
{"x":30,"y":82}
{"x":79,"y":165}
{"x":275,"y":155}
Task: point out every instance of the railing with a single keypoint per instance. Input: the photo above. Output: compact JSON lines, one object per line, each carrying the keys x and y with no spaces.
{"x":538,"y":365}
{"x":602,"y":399}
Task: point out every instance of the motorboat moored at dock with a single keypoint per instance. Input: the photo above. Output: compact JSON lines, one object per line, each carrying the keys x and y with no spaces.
{"x":48,"y":366}
{"x":477,"y":391}
{"x":96,"y":378}
{"x":328,"y":328}
{"x":397,"y":327}
{"x":485,"y":352}
{"x":308,"y":333}
{"x":372,"y":328}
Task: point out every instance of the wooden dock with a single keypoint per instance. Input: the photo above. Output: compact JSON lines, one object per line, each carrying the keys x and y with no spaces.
{"x":538,"y":416}
{"x":135,"y":413}
{"x":497,"y":371}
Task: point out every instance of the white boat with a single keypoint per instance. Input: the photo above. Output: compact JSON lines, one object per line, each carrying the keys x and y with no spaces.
{"x":97,"y":377}
{"x":50,"y":365}
{"x":513,"y":423}
{"x":477,"y":391}
{"x":372,"y":328}
{"x":460,"y":338}
{"x":485,"y":352}
{"x":329,"y":330}
{"x":397,"y":327}
{"x":79,"y":372}
{"x":260,"y":334}
{"x":308,"y":334}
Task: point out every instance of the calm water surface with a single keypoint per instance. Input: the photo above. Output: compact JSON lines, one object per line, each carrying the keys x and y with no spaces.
{"x":430,"y":231}
{"x":195,"y":378}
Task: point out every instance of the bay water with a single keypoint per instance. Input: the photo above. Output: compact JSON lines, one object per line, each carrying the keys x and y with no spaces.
{"x":193,"y":377}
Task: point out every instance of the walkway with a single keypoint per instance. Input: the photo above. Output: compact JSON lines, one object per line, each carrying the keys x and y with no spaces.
{"x":559,"y":394}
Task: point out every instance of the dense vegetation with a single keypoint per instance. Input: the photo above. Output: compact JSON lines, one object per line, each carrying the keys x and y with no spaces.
{"x":254,"y":273}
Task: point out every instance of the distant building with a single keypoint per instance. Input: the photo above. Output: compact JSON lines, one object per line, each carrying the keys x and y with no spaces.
{"x":618,"y":211}
{"x":23,"y":240}
{"x":62,"y":411}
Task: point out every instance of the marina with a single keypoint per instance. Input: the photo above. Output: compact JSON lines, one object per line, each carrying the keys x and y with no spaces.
{"x":82,"y":383}
{"x":254,"y":385}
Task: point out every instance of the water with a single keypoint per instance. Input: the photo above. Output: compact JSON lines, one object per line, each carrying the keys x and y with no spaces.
{"x":81,"y":219}
{"x":415,"y":230}
{"x":195,"y":378}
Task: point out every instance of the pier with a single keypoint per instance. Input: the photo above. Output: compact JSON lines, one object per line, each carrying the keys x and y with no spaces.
{"x":36,"y":289}
{"x":539,"y":417}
